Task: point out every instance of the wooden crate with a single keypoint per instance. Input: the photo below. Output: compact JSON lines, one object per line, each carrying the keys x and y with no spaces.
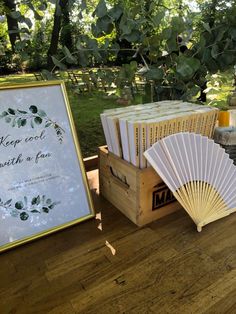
{"x":139,"y":194}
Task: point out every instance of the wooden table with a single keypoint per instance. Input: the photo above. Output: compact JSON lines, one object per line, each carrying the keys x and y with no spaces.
{"x":165,"y":267}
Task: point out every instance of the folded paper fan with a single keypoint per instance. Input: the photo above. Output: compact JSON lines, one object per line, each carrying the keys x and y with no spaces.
{"x":200,"y":174}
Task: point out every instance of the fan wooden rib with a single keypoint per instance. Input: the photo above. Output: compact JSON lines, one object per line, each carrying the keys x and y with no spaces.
{"x":199,"y":173}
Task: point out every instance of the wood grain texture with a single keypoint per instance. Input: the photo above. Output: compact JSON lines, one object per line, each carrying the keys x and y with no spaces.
{"x":136,"y":189}
{"x":165,"y":267}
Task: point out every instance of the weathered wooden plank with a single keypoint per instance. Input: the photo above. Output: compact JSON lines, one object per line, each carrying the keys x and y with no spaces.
{"x":165,"y":267}
{"x":213,"y":294}
{"x":150,"y":278}
{"x":63,"y":309}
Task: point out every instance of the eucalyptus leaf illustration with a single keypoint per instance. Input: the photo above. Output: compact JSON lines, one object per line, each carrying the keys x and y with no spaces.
{"x":19,"y":205}
{"x":11,"y":111}
{"x":24,"y":216}
{"x":24,"y":209}
{"x":33,"y":109}
{"x":7,"y":119}
{"x":34,"y":116}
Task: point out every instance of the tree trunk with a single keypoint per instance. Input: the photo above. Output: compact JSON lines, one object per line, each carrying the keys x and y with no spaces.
{"x":60,"y":5}
{"x":12,"y":24}
{"x":66,"y":34}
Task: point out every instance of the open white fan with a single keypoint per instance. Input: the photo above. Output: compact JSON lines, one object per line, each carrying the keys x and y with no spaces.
{"x":200,"y":174}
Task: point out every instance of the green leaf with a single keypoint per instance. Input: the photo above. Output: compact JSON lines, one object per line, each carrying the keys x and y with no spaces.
{"x":23,"y":122}
{"x":155,"y":74}
{"x":220,"y":34}
{"x":19,"y":122}
{"x":172,"y":44}
{"x":11,"y":111}
{"x":133,"y":66}
{"x":48,"y":124}
{"x":206,"y":26}
{"x":166,"y":34}
{"x":33,"y":109}
{"x":22,"y":111}
{"x":178,"y":24}
{"x":232,"y":33}
{"x":187,"y":66}
{"x":48,"y":75}
{"x":38,"y":120}
{"x":35,"y":211}
{"x":69,"y":56}
{"x":53,"y":205}
{"x":101,"y":9}
{"x":116,"y":12}
{"x":92,"y":44}
{"x":19,"y":205}
{"x":83,"y":58}
{"x":27,"y":21}
{"x":48,"y":201}
{"x":134,"y":36}
{"x":34,"y":201}
{"x":104,"y":25}
{"x":192,"y":91}
{"x":38,"y":200}
{"x":20,"y":45}
{"x":8,"y":202}
{"x":42,"y":113}
{"x":127,"y":26}
{"x":24,"y":216}
{"x":59,"y":64}
{"x":206,"y":58}
{"x":78,"y":44}
{"x":38,"y":16}
{"x":95,"y":31}
{"x":45,"y":209}
{"x":226,"y":59}
{"x":157,"y":18}
{"x":4,"y":113}
{"x":215,"y":51}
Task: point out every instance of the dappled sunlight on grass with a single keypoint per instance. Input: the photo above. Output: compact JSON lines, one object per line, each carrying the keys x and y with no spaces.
{"x":219,"y":87}
{"x":16,"y":79}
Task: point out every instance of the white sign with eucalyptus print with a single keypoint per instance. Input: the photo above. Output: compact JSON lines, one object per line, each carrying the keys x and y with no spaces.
{"x":43,"y":185}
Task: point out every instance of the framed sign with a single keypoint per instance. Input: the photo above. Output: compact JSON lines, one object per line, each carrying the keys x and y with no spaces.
{"x":42,"y":177}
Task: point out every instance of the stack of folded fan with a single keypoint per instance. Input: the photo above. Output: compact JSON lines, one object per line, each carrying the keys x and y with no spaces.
{"x":130,"y":131}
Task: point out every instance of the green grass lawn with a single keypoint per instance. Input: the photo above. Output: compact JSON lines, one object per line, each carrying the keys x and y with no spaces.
{"x":86,"y":107}
{"x":86,"y":110}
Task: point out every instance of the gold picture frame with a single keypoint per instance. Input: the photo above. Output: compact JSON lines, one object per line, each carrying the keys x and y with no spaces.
{"x":44,"y":183}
